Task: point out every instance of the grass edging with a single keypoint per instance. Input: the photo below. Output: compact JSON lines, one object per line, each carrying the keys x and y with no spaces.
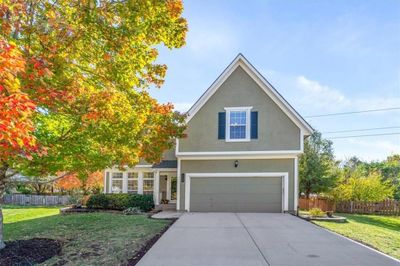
{"x":147,"y":246}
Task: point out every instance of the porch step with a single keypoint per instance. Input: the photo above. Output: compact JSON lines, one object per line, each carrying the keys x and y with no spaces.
{"x":166,"y":207}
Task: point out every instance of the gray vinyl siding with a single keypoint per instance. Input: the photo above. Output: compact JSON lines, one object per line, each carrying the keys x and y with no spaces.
{"x":275,"y":129}
{"x":245,"y":166}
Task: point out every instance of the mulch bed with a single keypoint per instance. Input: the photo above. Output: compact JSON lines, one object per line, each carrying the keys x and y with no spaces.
{"x":143,"y":250}
{"x":29,"y":252}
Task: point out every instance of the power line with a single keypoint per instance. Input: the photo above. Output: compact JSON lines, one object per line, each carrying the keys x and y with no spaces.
{"x":369,"y":135}
{"x":355,"y":112}
{"x":362,"y":129}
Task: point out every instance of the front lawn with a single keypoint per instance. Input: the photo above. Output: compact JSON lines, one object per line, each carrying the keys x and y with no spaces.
{"x":380,"y":232}
{"x":87,"y":239}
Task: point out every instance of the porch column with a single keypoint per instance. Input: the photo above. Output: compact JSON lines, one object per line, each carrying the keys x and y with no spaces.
{"x":124,"y":182}
{"x":105,"y":182}
{"x":140,"y":182}
{"x":169,"y":187}
{"x":156,"y":187}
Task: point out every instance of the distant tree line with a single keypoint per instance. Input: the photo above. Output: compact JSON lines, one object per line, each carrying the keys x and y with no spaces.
{"x":352,"y":179}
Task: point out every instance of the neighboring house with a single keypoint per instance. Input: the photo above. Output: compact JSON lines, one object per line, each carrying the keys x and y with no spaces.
{"x":240,"y":154}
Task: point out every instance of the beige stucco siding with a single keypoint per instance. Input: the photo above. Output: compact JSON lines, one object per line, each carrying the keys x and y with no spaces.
{"x":275,"y":129}
{"x":245,"y":166}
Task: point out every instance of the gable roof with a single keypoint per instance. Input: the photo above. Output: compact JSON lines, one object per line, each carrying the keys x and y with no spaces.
{"x":241,"y":61}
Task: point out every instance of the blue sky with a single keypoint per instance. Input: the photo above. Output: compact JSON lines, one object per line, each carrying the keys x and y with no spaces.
{"x":322,"y":56}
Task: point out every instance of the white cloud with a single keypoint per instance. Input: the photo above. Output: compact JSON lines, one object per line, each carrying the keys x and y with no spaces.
{"x":321,"y":96}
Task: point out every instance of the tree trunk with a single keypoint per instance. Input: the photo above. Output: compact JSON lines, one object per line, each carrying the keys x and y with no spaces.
{"x":3,"y":180}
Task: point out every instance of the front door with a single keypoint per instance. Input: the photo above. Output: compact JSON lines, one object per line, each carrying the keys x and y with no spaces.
{"x":163,"y":187}
{"x":173,"y":188}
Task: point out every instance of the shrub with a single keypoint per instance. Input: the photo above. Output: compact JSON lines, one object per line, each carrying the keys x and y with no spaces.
{"x":363,"y":188}
{"x":132,"y":211}
{"x":316,"y":212}
{"x":120,"y":201}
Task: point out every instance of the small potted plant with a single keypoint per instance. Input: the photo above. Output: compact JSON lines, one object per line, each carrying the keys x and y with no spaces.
{"x":164,"y":201}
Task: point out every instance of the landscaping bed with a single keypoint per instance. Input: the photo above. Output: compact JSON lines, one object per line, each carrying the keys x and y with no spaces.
{"x":28,"y":252}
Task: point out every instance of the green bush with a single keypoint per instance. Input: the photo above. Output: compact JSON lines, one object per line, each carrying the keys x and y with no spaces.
{"x":120,"y":201}
{"x":316,"y":212}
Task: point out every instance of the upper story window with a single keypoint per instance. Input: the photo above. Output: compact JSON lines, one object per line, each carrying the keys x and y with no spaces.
{"x":237,"y":124}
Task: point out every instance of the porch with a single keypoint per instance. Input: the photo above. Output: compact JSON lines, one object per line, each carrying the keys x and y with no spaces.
{"x":161,"y":183}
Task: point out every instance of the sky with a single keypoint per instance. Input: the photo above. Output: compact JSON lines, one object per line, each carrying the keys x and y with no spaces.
{"x":322,"y":56}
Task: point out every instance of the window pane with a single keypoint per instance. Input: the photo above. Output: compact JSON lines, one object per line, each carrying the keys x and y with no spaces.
{"x":237,"y":132}
{"x":132,"y":185}
{"x":116,"y":186}
{"x":132,"y":175}
{"x":148,"y":175}
{"x":117,"y":175}
{"x":238,"y":118}
{"x":147,"y":185}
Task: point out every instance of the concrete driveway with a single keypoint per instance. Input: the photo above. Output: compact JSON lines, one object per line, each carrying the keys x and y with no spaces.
{"x":247,"y":239}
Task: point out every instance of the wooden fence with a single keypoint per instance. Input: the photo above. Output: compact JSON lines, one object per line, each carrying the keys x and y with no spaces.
{"x":321,"y":203}
{"x":22,"y":199}
{"x":387,"y":207}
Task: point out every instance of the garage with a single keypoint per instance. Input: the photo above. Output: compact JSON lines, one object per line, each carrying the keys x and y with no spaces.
{"x":237,"y":193}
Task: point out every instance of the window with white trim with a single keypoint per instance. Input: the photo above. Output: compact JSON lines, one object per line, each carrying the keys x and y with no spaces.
{"x":237,"y":124}
{"x":148,"y":182}
{"x":133,"y":182}
{"x":116,"y":183}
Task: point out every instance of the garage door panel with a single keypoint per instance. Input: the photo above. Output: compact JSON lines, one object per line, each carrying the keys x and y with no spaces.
{"x":236,"y":194}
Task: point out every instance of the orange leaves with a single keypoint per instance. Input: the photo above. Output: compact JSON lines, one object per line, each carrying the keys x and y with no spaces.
{"x":16,"y":108}
{"x":73,"y":182}
{"x":175,"y":7}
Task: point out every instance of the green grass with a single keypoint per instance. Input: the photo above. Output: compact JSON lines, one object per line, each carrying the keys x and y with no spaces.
{"x":14,"y":213}
{"x":380,"y":232}
{"x":88,"y":239}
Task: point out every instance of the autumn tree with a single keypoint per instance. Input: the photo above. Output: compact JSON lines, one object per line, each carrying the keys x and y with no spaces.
{"x":93,"y":182}
{"x":74,"y":96}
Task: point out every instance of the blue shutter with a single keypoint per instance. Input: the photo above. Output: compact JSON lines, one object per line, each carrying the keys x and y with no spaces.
{"x":221,"y":125}
{"x":254,"y":125}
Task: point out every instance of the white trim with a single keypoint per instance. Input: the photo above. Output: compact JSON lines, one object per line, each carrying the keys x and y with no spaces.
{"x":228,"y":111}
{"x":105,"y":182}
{"x":244,"y":157}
{"x":211,"y":153}
{"x":241,"y":61}
{"x":140,"y":182}
{"x":301,"y":140}
{"x":178,"y":185}
{"x":169,"y":187}
{"x":165,"y":169}
{"x":238,"y":155}
{"x":156,"y":187}
{"x":143,"y":166}
{"x":110,"y":183}
{"x":296,"y":184}
{"x":124,"y":182}
{"x":284,"y":175}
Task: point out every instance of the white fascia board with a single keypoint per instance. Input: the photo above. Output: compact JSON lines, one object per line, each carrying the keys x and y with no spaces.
{"x":238,"y":155}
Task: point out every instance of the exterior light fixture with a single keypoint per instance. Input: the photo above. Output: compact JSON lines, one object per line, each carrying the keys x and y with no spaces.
{"x":183,"y":178}
{"x":236,"y":163}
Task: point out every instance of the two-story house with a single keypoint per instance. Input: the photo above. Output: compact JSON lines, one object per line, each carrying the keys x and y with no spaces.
{"x":240,"y":154}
